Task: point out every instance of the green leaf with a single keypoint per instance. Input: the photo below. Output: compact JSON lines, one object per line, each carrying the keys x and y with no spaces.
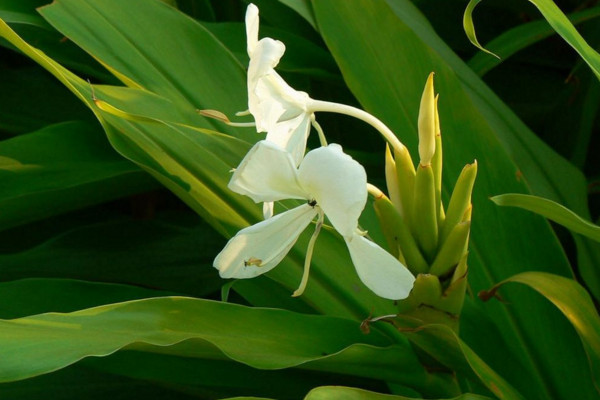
{"x":22,"y":12}
{"x":210,"y":377}
{"x":171,"y":252}
{"x":551,"y":210}
{"x":443,"y":344}
{"x":520,"y":37}
{"x":261,"y":338}
{"x":26,"y":107}
{"x":24,"y":297}
{"x":84,"y":382}
{"x":303,"y":8}
{"x":574,"y":302}
{"x":81,"y":170}
{"x":557,"y":20}
{"x":470,"y":29}
{"x":301,"y":55}
{"x":190,"y":76}
{"x":348,"y":393}
{"x":474,"y":124}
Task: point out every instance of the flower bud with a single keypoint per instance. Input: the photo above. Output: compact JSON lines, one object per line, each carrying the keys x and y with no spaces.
{"x":426,"y":124}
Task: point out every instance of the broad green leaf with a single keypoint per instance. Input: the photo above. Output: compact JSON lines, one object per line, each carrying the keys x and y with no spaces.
{"x":170,"y":252}
{"x":285,"y":16}
{"x":348,"y":393}
{"x":204,"y":377}
{"x":26,"y":107}
{"x":218,"y":377}
{"x":520,"y":37}
{"x":260,"y":338}
{"x":85,"y":382}
{"x":301,"y":55}
{"x":23,"y":297}
{"x":559,"y":22}
{"x":198,"y":9}
{"x":247,"y":398}
{"x":81,"y":170}
{"x":21,"y":12}
{"x":23,"y":16}
{"x":303,"y":8}
{"x":574,"y":302}
{"x":551,"y":210}
{"x":475,"y":124}
{"x":190,"y":75}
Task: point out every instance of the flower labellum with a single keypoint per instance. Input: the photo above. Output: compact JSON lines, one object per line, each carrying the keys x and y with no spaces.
{"x":333,"y":184}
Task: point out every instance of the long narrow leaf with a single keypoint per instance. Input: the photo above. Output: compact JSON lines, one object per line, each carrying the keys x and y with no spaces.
{"x":551,"y":210}
{"x":557,"y":19}
{"x":520,"y":37}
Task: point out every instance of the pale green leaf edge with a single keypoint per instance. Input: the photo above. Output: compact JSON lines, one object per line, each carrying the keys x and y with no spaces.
{"x":551,"y":210}
{"x":575,"y":304}
{"x":349,"y":393}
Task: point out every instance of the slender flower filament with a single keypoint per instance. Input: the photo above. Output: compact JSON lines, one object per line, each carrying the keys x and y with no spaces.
{"x":319,"y":130}
{"x":309,"y":252}
{"x":241,"y":124}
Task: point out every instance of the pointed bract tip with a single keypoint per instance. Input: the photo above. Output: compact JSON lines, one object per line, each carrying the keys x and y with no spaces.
{"x":427,"y":123}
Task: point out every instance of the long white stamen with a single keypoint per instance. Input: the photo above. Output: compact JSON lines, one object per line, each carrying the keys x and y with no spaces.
{"x":309,"y":252}
{"x":319,"y":130}
{"x":241,"y":124}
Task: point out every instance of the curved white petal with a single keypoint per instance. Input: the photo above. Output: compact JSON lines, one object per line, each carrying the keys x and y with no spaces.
{"x":267,"y":173}
{"x":259,"y":248}
{"x":338,"y":183}
{"x":251,"y":27}
{"x":267,"y":209}
{"x":273,"y":87}
{"x":379,"y":270}
{"x":274,"y":101}
{"x":292,"y":136}
{"x":265,"y":57}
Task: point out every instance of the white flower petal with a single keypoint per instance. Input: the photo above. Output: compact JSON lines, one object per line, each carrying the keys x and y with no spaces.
{"x":379,"y":270}
{"x":274,"y":101}
{"x":251,"y":27}
{"x":267,"y":173}
{"x":337,"y":183}
{"x":264,"y":58}
{"x":268,"y":209}
{"x":274,"y":88}
{"x":259,"y":248}
{"x":292,"y":136}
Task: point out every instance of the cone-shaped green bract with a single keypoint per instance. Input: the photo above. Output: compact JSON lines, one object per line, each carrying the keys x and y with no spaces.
{"x":431,"y":242}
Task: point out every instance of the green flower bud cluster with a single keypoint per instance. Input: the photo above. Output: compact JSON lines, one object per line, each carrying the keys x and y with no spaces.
{"x":431,"y":240}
